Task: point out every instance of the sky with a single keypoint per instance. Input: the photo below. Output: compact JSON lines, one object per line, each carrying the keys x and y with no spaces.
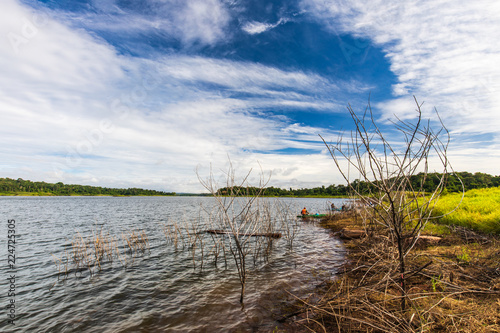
{"x":159,"y":93}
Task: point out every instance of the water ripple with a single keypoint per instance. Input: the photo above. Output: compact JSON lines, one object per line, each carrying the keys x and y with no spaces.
{"x":160,"y":290}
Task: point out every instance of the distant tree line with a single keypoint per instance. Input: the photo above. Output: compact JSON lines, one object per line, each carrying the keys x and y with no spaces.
{"x":19,"y":185}
{"x":470,"y":181}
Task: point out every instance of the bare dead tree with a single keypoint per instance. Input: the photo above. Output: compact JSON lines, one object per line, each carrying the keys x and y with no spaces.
{"x":386,"y":167}
{"x":287,"y":221}
{"x":241,"y":214}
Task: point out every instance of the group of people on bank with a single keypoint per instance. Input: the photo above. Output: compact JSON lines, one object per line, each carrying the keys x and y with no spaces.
{"x":344,"y":208}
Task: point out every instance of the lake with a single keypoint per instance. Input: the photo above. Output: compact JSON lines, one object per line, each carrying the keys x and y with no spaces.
{"x":163,"y":289}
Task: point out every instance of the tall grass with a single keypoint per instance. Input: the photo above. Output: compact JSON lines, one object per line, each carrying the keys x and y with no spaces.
{"x":91,"y":252}
{"x":479,"y":210}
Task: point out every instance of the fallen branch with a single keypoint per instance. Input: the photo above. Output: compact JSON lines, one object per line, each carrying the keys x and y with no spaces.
{"x":226,"y":232}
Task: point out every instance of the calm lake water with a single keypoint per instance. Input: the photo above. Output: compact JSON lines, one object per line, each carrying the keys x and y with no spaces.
{"x":161,"y":290}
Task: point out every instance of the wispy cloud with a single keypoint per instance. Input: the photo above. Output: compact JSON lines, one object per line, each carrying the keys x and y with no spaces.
{"x":255,"y":27}
{"x":74,"y":110}
{"x":76,"y":107}
{"x":441,"y":51}
{"x":252,"y":78}
{"x":201,"y":22}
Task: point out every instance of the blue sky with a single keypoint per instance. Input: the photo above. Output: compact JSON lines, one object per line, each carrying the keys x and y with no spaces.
{"x":145,"y":93}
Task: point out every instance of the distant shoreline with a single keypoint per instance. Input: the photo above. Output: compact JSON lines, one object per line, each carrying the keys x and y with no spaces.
{"x":35,"y":194}
{"x":21,"y":187}
{"x":48,"y":194}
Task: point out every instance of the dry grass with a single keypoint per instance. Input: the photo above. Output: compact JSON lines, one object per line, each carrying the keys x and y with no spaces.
{"x":452,"y":287}
{"x":91,"y":252}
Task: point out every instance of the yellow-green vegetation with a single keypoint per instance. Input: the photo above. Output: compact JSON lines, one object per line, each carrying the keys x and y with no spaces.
{"x":479,"y":210}
{"x":26,"y":194}
{"x":434,"y":229}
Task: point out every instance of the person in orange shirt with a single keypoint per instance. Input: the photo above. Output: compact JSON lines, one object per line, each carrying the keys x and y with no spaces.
{"x":304,"y":211}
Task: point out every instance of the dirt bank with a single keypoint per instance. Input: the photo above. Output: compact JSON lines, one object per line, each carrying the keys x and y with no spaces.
{"x":453,"y":284}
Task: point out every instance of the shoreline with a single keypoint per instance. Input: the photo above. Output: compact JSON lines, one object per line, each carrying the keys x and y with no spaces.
{"x":47,"y":194}
{"x":453,"y":283}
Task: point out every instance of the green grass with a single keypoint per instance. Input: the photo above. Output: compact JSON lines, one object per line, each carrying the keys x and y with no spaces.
{"x":435,"y":229}
{"x":479,"y":210}
{"x":25,"y":194}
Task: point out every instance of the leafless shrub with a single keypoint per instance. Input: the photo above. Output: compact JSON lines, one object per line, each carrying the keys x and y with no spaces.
{"x":90,"y":253}
{"x":244,"y":218}
{"x":444,"y":294}
{"x":287,"y":222}
{"x":390,"y":199}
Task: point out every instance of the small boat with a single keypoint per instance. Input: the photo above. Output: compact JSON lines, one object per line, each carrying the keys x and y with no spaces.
{"x":312,"y":215}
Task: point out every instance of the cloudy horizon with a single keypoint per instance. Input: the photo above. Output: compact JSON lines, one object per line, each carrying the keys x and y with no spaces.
{"x":113,"y":93}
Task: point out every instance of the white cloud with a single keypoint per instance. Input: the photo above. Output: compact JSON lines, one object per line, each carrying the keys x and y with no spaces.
{"x":254,"y":27}
{"x":443,"y":52}
{"x":49,"y":75}
{"x":106,"y":5}
{"x":203,"y":20}
{"x":76,"y":111}
{"x":191,"y":22}
{"x":246,"y":77}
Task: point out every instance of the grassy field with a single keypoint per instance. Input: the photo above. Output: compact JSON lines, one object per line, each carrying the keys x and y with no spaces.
{"x":479,"y":210}
{"x":25,"y":194}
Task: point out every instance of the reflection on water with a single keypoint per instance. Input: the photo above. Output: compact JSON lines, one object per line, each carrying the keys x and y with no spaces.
{"x":160,"y":290}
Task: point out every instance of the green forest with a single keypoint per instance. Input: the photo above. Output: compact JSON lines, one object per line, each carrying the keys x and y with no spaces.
{"x":470,"y":181}
{"x":26,"y":187}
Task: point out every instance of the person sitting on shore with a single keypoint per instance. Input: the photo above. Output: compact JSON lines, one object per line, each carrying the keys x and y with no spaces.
{"x":304,"y":212}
